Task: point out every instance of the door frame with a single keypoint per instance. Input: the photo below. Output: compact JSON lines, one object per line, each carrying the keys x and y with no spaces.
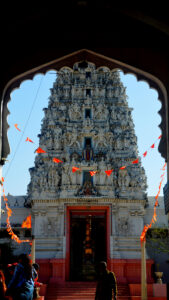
{"x":85,"y":210}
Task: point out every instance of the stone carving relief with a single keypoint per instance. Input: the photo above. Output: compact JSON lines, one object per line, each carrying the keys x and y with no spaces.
{"x":73,"y":139}
{"x":66,"y":125}
{"x":75,"y":112}
{"x":66,"y":175}
{"x":123,"y":226}
{"x":101,"y":112}
{"x":100,"y":139}
{"x":53,"y":177}
{"x":49,"y":226}
{"x":123,"y":179}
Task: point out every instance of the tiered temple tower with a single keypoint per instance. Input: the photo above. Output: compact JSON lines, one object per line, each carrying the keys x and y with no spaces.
{"x":89,"y":125}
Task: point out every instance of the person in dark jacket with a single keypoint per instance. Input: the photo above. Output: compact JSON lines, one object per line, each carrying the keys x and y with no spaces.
{"x":106,"y":286}
{"x":21,"y":285}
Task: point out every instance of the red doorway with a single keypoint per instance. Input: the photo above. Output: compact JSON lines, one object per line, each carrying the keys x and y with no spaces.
{"x":78,"y":218}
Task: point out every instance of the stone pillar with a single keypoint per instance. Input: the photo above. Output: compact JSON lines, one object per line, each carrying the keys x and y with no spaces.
{"x":0,"y":192}
{"x":33,"y":250}
{"x":143,"y":272}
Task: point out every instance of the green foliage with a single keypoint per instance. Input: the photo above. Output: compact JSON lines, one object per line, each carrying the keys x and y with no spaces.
{"x":158,"y":239}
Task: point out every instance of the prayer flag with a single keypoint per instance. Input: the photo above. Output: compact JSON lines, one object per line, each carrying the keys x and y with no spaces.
{"x":92,"y":173}
{"x":57,"y":160}
{"x":40,"y":150}
{"x":135,"y":161}
{"x":122,"y":168}
{"x":27,"y":223}
{"x":28,"y":140}
{"x":16,"y":126}
{"x":145,"y":153}
{"x":74,"y":169}
{"x":108,"y":172}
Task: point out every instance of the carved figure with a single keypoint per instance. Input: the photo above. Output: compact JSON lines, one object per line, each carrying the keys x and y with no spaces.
{"x":74,"y":139}
{"x":101,"y":139}
{"x":123,"y":178}
{"x":75,"y":112}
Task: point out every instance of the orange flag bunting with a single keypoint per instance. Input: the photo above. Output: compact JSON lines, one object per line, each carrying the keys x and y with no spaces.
{"x":108,"y":172}
{"x":28,"y":140}
{"x":159,"y":137}
{"x":154,"y":218}
{"x":74,"y":169}
{"x":122,"y":168}
{"x":2,"y":180}
{"x":145,"y":153}
{"x":152,"y":146}
{"x":135,"y":161}
{"x":9,"y":228}
{"x":40,"y":150}
{"x":27,"y":223}
{"x":57,"y":160}
{"x":16,"y":126}
{"x":163,"y":168}
{"x":92,"y":173}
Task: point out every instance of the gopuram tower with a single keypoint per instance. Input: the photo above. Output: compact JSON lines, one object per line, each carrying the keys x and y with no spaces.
{"x":79,"y":219}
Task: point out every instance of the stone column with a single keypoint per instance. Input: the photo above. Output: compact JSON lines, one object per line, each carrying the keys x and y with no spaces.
{"x":0,"y":192}
{"x":33,"y":250}
{"x":143,"y":272}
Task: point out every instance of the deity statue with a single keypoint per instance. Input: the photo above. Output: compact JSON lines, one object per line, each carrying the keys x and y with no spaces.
{"x":101,"y":139}
{"x":101,"y":112}
{"x":65,"y":175}
{"x":73,"y":141}
{"x":75,"y":112}
{"x":123,"y":178}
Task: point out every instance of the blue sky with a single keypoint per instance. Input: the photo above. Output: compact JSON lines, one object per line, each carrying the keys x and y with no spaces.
{"x":26,"y":108}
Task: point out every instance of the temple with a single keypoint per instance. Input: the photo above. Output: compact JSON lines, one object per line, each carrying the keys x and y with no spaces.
{"x":79,"y":219}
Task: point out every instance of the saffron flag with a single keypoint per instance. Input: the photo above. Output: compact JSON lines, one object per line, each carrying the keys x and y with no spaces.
{"x":28,"y":140}
{"x":40,"y":150}
{"x":152,"y":146}
{"x":145,"y":153}
{"x":16,"y":126}
{"x":92,"y":173}
{"x":122,"y":168}
{"x":27,"y":223}
{"x":57,"y":160}
{"x":163,"y":168}
{"x":74,"y":169}
{"x":108,"y":172}
{"x":159,"y":137}
{"x":135,"y":161}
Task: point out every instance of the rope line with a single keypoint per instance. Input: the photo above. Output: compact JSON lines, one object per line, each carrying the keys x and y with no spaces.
{"x":26,"y":124}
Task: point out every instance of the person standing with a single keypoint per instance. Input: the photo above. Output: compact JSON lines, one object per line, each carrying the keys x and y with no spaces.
{"x":106,"y":286}
{"x":21,"y":285}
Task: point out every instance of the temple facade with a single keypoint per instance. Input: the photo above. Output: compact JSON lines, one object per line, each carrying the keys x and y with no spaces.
{"x":79,"y":219}
{"x":76,"y":216}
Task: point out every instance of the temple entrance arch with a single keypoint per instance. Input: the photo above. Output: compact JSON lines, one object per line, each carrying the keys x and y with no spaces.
{"x":99,"y":60}
{"x":87,"y":240}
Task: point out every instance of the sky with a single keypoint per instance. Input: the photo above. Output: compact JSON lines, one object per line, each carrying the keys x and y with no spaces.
{"x":26,"y":109}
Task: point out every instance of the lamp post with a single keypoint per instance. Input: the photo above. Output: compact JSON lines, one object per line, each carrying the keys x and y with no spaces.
{"x":143,"y":271}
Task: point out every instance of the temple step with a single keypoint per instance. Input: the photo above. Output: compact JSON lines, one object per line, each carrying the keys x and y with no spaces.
{"x":81,"y":291}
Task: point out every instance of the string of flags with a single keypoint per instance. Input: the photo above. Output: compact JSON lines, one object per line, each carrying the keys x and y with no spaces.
{"x":154,"y":218}
{"x":92,"y":173}
{"x":27,"y":223}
